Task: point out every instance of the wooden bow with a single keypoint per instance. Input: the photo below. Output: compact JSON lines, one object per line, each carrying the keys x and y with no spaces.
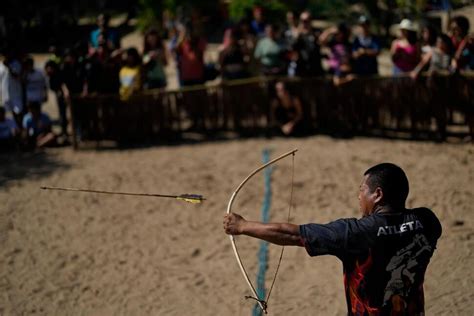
{"x":261,"y":302}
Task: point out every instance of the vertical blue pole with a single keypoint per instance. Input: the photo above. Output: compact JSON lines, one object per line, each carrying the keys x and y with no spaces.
{"x":263,"y":251}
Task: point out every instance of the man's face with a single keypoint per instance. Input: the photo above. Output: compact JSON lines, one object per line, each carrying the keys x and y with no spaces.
{"x":366,"y":198}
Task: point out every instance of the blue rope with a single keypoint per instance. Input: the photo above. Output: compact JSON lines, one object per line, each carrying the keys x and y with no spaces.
{"x":263,"y":251}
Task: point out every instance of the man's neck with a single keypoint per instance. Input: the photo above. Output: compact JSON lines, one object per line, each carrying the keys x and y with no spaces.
{"x":388,"y":208}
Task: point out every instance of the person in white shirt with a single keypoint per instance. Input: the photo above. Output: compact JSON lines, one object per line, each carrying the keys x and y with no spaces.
{"x":12,"y":89}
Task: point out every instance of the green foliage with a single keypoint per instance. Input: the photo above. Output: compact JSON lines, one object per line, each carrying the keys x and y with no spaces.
{"x":149,"y":13}
{"x":274,"y":10}
{"x":331,"y":9}
{"x":412,"y":7}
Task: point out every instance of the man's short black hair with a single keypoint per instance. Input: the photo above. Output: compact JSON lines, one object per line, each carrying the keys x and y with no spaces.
{"x":391,"y":179}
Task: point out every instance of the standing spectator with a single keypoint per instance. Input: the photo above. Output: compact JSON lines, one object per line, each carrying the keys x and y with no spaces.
{"x":111,"y":37}
{"x":72,"y":73}
{"x":37,"y":127}
{"x":232,"y":57}
{"x":8,"y":130}
{"x":130,"y":74}
{"x":257,"y":24}
{"x":12,"y":89}
{"x":306,"y":49}
{"x":337,"y":39}
{"x":269,"y":53}
{"x":428,"y":38}
{"x":287,"y":111}
{"x":154,"y":60}
{"x":190,"y":52}
{"x":292,"y":29}
{"x":3,"y":75}
{"x":247,"y":41}
{"x":57,"y":85}
{"x":35,"y":83}
{"x":463,"y":43}
{"x":404,"y":50}
{"x":438,"y":59}
{"x":365,"y":50}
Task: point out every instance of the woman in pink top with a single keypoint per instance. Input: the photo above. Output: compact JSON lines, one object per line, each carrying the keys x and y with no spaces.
{"x":405,"y":51}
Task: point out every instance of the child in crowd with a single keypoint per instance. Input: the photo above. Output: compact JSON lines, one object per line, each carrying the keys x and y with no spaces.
{"x":37,"y":127}
{"x":8,"y":131}
{"x":130,"y":74}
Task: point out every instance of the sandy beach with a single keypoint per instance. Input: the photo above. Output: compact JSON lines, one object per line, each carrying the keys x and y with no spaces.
{"x":65,"y":253}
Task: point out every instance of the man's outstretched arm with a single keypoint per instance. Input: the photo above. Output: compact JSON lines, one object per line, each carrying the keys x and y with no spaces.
{"x":284,"y":234}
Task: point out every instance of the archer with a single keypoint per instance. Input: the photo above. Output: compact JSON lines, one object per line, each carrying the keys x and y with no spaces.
{"x":384,"y":254}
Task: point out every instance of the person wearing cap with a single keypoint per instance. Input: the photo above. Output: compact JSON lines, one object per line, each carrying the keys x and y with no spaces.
{"x":365,"y":50}
{"x":404,"y":50}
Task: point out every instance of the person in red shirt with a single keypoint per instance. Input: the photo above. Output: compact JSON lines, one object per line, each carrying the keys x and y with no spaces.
{"x":190,"y":53}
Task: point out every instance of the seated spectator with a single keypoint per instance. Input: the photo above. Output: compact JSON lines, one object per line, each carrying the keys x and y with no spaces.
{"x":306,"y":50}
{"x":286,"y":111}
{"x":463,"y":44}
{"x":36,"y":89}
{"x":404,"y":50}
{"x":130,"y":74}
{"x":438,"y":59}
{"x":111,"y":37}
{"x":337,"y":39}
{"x":269,"y":53}
{"x":154,"y":61}
{"x":365,"y":50}
{"x":232,"y":57}
{"x":8,"y":131}
{"x":37,"y":127}
{"x":190,"y":51}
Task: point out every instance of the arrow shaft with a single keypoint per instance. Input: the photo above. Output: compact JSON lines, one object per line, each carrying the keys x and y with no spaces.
{"x":109,"y":192}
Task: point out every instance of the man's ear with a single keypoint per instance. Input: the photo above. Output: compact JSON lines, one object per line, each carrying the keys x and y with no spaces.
{"x":378,"y":195}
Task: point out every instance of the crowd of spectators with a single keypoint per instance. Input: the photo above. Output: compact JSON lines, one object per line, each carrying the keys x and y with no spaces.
{"x":249,"y":48}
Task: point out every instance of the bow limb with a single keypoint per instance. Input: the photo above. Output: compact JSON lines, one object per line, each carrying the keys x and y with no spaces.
{"x":261,"y":303}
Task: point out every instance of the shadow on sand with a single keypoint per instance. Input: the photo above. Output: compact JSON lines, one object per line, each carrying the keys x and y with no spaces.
{"x":32,"y":165}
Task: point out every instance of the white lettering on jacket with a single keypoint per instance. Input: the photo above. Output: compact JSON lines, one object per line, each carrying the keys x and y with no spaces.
{"x":399,"y":229}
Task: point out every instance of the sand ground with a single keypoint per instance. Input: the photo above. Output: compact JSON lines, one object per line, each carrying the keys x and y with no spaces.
{"x":67,"y":253}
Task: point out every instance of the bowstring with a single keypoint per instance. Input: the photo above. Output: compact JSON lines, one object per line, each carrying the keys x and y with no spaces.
{"x":288,"y":220}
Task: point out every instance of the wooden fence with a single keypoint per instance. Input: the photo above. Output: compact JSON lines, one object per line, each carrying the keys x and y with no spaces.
{"x":379,"y":106}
